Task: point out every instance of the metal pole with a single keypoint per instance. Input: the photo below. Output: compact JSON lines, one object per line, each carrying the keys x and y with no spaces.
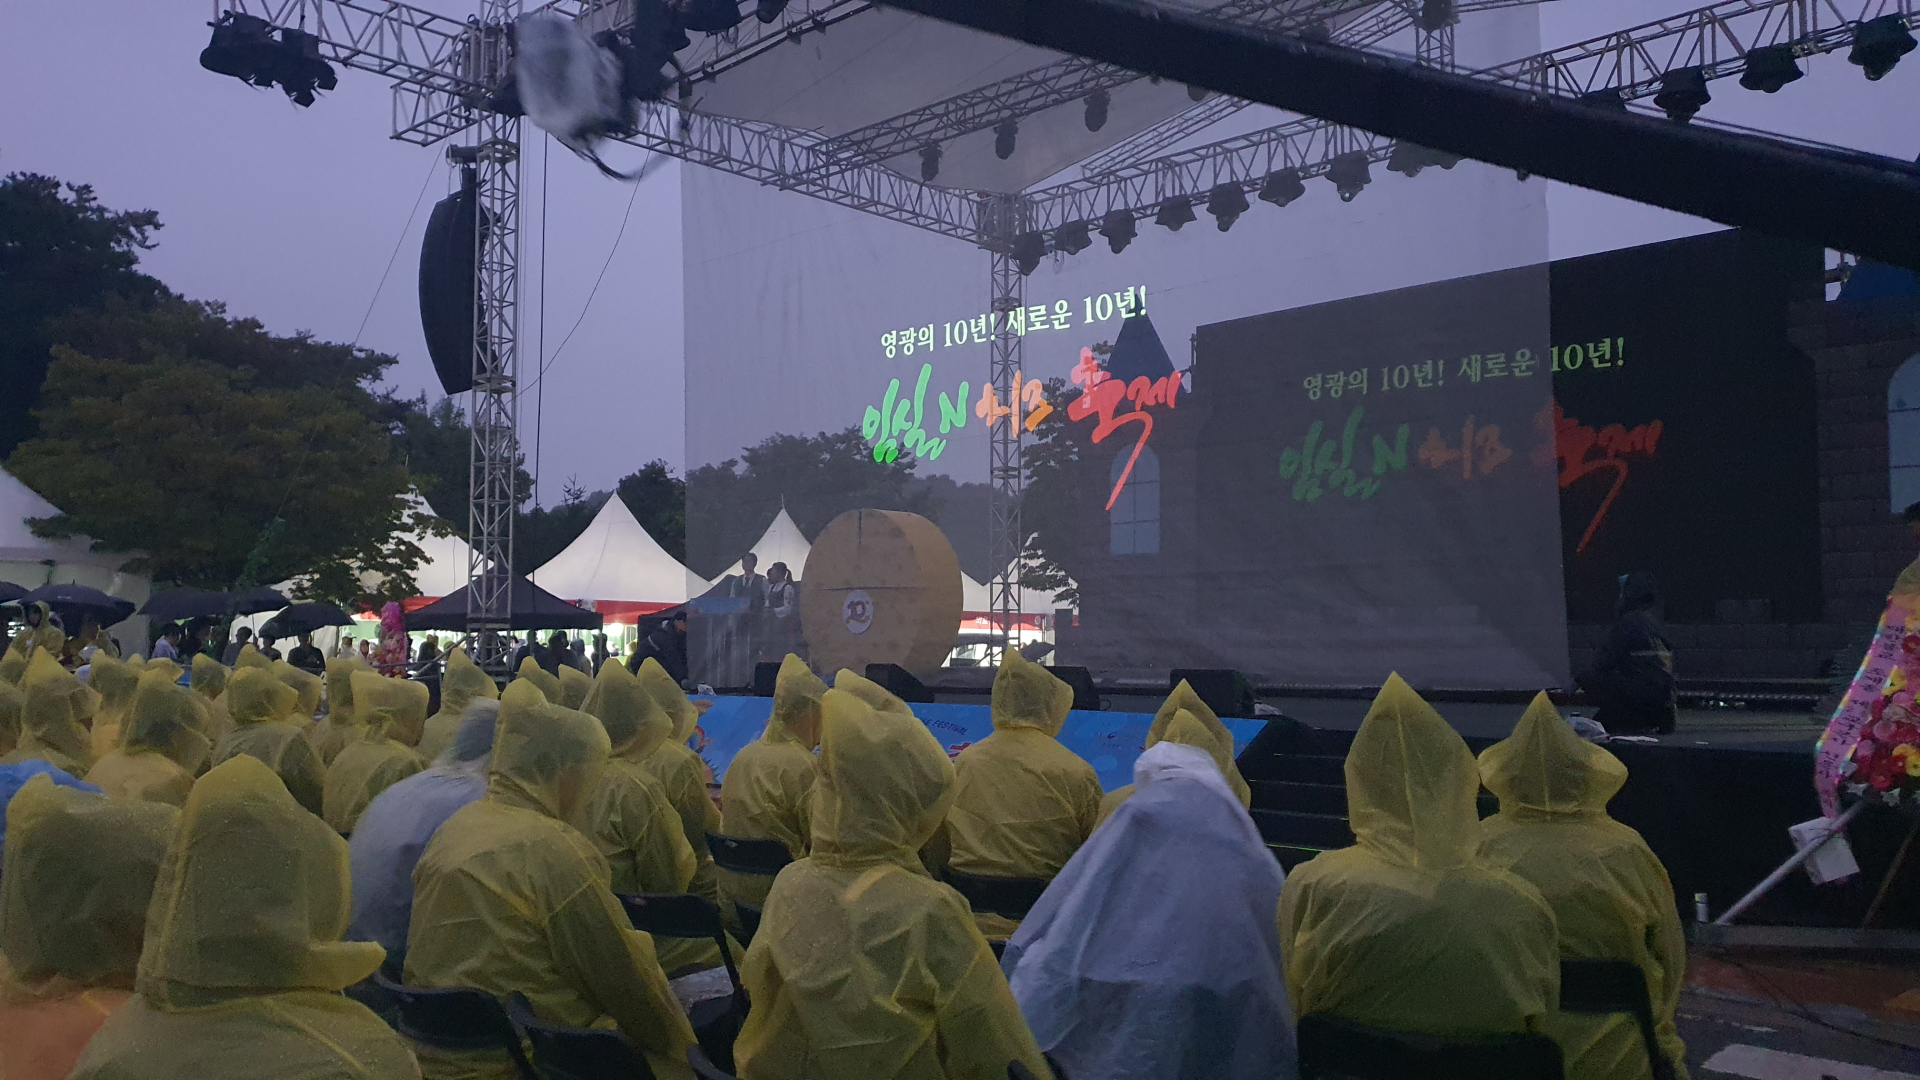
{"x":1753,"y":896}
{"x":1006,"y":218}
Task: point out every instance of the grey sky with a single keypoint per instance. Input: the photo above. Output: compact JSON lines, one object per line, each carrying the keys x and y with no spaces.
{"x":291,"y":215}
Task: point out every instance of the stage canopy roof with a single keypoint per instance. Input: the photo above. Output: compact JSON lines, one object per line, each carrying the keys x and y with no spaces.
{"x":615,"y":559}
{"x":534,"y":608}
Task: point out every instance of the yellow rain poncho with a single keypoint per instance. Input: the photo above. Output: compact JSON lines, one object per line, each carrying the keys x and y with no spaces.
{"x":249,"y":656}
{"x":1409,"y":930}
{"x":508,"y":896}
{"x":12,"y":703}
{"x":1022,"y":804}
{"x":47,"y":636}
{"x":243,"y":963}
{"x":208,"y":678}
{"x":49,"y":718}
{"x":307,"y":686}
{"x":1610,"y":896}
{"x":171,"y":668}
{"x":628,"y":817}
{"x":1218,"y":742}
{"x":160,"y":748}
{"x":461,"y":685}
{"x":13,"y":666}
{"x":682,"y":776}
{"x":79,"y":872}
{"x":341,"y":726}
{"x":574,"y":687}
{"x":260,"y":705}
{"x":547,"y":683}
{"x":864,"y":966}
{"x":390,"y":715}
{"x":115,"y":682}
{"x":768,"y":786}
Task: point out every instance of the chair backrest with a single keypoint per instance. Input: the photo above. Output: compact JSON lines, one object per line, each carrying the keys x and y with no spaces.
{"x":1332,"y":1047}
{"x":455,"y":1018}
{"x":744,"y":855}
{"x":1008,"y":897}
{"x":703,"y":1067}
{"x":684,"y":915}
{"x":749,"y":920}
{"x":1614,"y":986}
{"x":565,"y":1053}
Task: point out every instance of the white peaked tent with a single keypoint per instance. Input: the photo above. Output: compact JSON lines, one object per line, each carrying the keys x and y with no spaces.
{"x":616,"y":559}
{"x":445,"y":568}
{"x":782,"y":542}
{"x":33,"y":561}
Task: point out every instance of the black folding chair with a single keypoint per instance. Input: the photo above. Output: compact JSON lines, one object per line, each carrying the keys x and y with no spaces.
{"x":1331,"y":1047}
{"x":683,"y":915}
{"x":455,"y":1019}
{"x":566,"y":1053}
{"x":745,"y":855}
{"x":705,"y":1069}
{"x":1614,"y":986}
{"x":1009,"y":897}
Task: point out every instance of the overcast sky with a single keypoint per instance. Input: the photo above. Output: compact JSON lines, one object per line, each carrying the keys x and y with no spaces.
{"x":293,"y":215}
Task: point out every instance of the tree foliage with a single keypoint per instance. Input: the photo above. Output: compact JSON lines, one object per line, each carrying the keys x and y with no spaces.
{"x":658,"y":500}
{"x":59,"y":250}
{"x":174,"y":430}
{"x":436,"y":445}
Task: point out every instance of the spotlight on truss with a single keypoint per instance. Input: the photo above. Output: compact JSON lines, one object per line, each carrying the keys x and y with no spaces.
{"x":242,"y":47}
{"x":1408,"y":159}
{"x":1436,"y":15}
{"x":768,"y":10}
{"x":1607,"y":97}
{"x":1282,"y":186}
{"x":710,"y":16}
{"x":1003,"y":136}
{"x":1769,"y":68}
{"x":1226,"y":202}
{"x":1119,"y":228}
{"x":1097,"y":103}
{"x":1682,"y":93}
{"x":929,"y":163}
{"x":1028,"y":249}
{"x":1878,"y":44}
{"x":1349,"y":174}
{"x":300,"y":70}
{"x":1197,"y":93}
{"x":1174,"y":213}
{"x":1072,"y":238}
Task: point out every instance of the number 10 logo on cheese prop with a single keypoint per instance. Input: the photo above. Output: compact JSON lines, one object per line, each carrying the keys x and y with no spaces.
{"x":857,"y":611}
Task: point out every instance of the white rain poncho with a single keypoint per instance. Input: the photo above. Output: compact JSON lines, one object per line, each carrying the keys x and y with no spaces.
{"x":1155,"y":953}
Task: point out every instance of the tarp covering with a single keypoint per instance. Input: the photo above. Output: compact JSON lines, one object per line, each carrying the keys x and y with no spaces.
{"x":534,"y":608}
{"x":615,"y":559}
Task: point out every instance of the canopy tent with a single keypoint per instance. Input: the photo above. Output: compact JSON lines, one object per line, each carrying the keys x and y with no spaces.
{"x":782,"y":542}
{"x":33,"y":561}
{"x":534,"y":608}
{"x":617,"y":567}
{"x":444,"y":569}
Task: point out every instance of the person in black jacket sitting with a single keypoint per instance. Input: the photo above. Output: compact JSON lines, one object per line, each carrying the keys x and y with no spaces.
{"x":1631,"y":679}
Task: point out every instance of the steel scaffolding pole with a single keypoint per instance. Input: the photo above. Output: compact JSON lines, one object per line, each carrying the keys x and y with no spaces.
{"x":1007,"y":217}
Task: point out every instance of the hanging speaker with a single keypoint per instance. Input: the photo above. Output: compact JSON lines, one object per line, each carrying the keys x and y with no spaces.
{"x":447,"y":284}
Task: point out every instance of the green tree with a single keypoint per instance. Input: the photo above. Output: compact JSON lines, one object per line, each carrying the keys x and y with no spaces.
{"x":221,"y":451}
{"x":436,"y":445}
{"x":658,"y":500}
{"x":59,"y":250}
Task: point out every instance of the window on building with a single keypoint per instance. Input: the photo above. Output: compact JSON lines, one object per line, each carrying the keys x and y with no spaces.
{"x":1903,"y":435}
{"x":1136,"y":513}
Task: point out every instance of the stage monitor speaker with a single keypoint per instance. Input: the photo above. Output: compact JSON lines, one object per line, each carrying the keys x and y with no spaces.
{"x":1084,"y":695}
{"x":900,"y":682}
{"x":1226,"y":691}
{"x":765,"y":674}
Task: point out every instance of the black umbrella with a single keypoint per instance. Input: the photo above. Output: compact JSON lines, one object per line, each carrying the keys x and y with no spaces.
{"x":257,"y":600}
{"x":9,"y":592}
{"x":74,"y":603}
{"x":304,"y":619}
{"x":174,"y":605}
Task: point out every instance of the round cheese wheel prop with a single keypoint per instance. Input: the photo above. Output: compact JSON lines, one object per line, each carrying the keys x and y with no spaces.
{"x":881,"y":587}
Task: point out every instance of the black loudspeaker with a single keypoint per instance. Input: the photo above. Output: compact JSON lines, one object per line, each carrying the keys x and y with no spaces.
{"x":447,"y":284}
{"x":1226,"y":691}
{"x":765,"y":674}
{"x":900,"y":682}
{"x":1084,"y":695}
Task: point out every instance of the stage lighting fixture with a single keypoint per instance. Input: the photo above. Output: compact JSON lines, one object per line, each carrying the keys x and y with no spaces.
{"x":768,"y":10}
{"x":1607,"y":97}
{"x":1878,"y":44}
{"x":300,"y":71}
{"x":1097,"y":103}
{"x":710,"y":16}
{"x":1119,"y":228}
{"x":1196,"y":93}
{"x":1282,"y":187}
{"x":1349,"y":174}
{"x":1003,"y":136}
{"x":1682,"y":92}
{"x":1174,"y":213}
{"x":1769,"y":68}
{"x":1072,"y":238}
{"x":1409,"y":158}
{"x":242,"y":47}
{"x":1028,"y":249}
{"x":929,"y":163}
{"x":1226,"y":202}
{"x":1435,"y":15}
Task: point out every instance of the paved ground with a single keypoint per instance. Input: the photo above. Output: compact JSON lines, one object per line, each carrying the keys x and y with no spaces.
{"x":1786,"y":1016}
